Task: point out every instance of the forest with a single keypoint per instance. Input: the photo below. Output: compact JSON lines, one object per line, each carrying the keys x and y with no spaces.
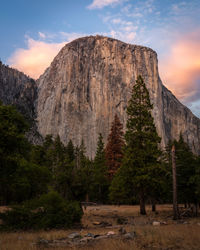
{"x":45,"y":184}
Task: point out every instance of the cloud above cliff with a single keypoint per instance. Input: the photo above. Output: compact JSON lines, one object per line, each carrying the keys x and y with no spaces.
{"x":35,"y":58}
{"x":38,"y":55}
{"x":99,"y":4}
{"x":180,"y":69}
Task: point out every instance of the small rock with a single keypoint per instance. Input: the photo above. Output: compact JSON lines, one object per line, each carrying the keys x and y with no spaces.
{"x":74,"y":235}
{"x":85,"y":239}
{"x":164,"y":223}
{"x":122,"y":230}
{"x":105,"y":224}
{"x":156,"y":223}
{"x":129,"y":236}
{"x":110,"y":233}
{"x":90,"y":235}
{"x":42,"y":242}
{"x":198,"y":224}
{"x":101,"y":237}
{"x":96,"y":235}
{"x":96,"y":223}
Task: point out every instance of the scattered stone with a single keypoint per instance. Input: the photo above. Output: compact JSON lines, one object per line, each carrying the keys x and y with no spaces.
{"x":90,"y":235}
{"x":102,"y":223}
{"x":198,"y":224}
{"x":96,"y":223}
{"x":122,"y":230}
{"x":129,"y":236}
{"x":163,"y":223}
{"x":110,"y":233}
{"x":156,"y":223}
{"x":74,"y":235}
{"x":122,"y":220}
{"x":42,"y":242}
{"x":96,"y":236}
{"x":101,"y":237}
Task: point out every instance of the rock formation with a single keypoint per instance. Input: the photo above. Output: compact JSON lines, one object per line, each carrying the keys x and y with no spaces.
{"x":21,"y":91}
{"x":91,"y":79}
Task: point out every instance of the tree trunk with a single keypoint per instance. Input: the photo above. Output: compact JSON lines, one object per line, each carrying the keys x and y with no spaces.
{"x":142,"y":205}
{"x":175,"y":203}
{"x":153,"y":206}
{"x":87,"y":197}
{"x":196,"y":209}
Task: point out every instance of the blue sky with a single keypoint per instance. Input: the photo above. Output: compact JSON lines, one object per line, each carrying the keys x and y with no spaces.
{"x":32,"y":33}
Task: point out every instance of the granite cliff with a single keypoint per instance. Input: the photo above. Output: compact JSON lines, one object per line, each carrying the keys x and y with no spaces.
{"x":18,"y":89}
{"x":21,"y":91}
{"x":91,"y":79}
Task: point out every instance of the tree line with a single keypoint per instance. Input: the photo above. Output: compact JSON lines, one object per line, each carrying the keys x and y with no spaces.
{"x":130,"y":169}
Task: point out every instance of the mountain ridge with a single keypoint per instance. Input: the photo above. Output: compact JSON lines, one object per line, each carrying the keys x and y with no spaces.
{"x":87,"y":73}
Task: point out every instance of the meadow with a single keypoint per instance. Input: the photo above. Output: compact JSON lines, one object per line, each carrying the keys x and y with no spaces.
{"x":182,"y":234}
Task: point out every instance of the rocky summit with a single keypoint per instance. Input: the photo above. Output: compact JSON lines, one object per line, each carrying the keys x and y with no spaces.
{"x":90,"y":80}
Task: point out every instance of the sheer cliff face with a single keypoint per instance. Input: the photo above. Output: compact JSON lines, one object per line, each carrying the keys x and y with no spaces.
{"x":91,"y":79}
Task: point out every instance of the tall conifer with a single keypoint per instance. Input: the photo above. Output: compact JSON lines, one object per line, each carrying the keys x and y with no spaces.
{"x":114,"y":147}
{"x":141,"y":151}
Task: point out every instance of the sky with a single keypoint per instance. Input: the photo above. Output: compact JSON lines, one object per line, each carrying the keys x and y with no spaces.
{"x":33,"y":32}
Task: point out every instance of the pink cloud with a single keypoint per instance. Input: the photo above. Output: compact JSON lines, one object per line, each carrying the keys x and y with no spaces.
{"x":180,"y":70}
{"x":36,"y":58}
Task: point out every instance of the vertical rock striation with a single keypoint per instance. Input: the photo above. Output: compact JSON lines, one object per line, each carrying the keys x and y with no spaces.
{"x":91,"y":79}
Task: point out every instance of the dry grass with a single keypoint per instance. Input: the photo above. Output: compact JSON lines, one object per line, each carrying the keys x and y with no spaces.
{"x":170,"y":236}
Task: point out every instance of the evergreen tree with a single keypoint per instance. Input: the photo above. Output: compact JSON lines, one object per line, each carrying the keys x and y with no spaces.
{"x":114,"y":147}
{"x":70,"y":151}
{"x":186,"y":167}
{"x":100,"y":174}
{"x":141,"y":152}
{"x":20,"y":177}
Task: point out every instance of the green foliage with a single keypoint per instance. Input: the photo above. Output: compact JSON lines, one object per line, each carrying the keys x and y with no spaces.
{"x":12,"y":132}
{"x":20,"y":178}
{"x":140,"y":167}
{"x":49,"y":211}
{"x":100,"y":173}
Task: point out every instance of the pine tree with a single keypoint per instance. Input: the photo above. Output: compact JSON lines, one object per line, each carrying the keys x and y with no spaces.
{"x":70,"y":151}
{"x":100,"y":172}
{"x":141,"y":152}
{"x":114,"y":147}
{"x":186,"y":164}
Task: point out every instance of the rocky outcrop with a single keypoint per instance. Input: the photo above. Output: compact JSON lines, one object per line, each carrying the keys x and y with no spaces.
{"x":91,"y":79}
{"x":17,"y":89}
{"x":21,"y":91}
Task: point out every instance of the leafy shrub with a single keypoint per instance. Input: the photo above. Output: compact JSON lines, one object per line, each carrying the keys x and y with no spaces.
{"x":48,"y":211}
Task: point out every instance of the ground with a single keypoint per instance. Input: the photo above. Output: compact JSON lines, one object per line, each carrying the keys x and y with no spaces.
{"x":183,"y":234}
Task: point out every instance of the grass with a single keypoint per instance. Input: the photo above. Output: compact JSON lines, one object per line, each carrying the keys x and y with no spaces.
{"x":165,"y":237}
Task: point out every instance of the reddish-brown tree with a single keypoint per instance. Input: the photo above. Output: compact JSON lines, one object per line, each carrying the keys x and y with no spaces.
{"x":114,"y":147}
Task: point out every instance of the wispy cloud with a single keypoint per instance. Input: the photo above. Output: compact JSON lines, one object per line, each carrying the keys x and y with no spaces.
{"x":39,"y":54}
{"x":99,"y":4}
{"x":41,"y":35}
{"x":36,"y":58}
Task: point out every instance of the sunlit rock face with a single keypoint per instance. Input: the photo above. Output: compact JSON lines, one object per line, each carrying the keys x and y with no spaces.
{"x":91,"y":79}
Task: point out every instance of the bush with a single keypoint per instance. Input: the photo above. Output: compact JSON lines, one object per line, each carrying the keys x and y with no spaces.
{"x":47,"y":212}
